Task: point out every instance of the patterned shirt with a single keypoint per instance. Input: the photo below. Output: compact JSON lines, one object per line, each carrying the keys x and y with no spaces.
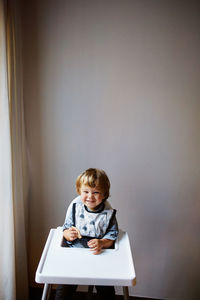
{"x":100,"y":223}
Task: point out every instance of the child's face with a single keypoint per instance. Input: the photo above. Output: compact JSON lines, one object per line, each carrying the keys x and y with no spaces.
{"x":91,"y":197}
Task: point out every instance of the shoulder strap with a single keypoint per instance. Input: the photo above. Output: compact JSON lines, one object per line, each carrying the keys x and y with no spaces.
{"x":111,"y":219}
{"x":74,"y":214}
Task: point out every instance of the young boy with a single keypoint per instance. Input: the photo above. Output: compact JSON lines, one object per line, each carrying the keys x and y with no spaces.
{"x":90,"y":222}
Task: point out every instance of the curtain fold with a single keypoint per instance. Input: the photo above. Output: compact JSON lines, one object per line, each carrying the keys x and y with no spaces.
{"x":7,"y":249}
{"x":14,"y":183}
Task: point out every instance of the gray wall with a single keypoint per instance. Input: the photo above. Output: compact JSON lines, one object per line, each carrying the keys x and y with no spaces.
{"x":115,"y":85}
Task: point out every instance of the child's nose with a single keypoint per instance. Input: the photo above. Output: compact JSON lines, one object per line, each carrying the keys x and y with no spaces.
{"x":90,"y":195}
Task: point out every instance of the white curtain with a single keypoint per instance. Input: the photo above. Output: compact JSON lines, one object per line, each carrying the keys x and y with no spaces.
{"x":13,"y":175}
{"x":7,"y":253}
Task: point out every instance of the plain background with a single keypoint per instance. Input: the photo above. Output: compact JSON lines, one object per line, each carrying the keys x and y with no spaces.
{"x":116,"y":85}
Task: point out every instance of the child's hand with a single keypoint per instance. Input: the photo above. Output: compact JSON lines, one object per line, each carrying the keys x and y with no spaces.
{"x":95,"y":245}
{"x":70,"y":234}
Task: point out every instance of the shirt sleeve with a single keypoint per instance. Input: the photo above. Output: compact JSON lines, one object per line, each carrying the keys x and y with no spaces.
{"x":112,"y":231}
{"x":69,"y":218}
{"x":69,"y":222}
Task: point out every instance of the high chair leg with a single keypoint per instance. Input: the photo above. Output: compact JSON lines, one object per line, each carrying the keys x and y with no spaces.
{"x":126,"y":293}
{"x":46,"y":291}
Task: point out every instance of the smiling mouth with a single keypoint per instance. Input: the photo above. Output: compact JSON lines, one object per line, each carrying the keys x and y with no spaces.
{"x":89,"y":201}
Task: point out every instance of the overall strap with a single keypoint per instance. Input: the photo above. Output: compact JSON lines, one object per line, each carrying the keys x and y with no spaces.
{"x":74,"y":214}
{"x":111,"y":219}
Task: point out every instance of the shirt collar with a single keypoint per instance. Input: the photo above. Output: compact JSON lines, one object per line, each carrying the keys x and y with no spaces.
{"x":99,"y":208}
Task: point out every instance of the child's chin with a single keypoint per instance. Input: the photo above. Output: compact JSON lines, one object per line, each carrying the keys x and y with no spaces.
{"x":91,"y":207}
{"x":90,"y":204}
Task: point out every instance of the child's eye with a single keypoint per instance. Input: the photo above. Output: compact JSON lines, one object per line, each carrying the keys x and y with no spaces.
{"x":96,"y":192}
{"x":86,"y":192}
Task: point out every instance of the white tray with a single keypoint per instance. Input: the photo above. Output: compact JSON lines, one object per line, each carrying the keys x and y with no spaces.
{"x":61,"y":265}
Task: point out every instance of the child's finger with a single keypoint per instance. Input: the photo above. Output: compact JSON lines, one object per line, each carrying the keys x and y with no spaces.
{"x":72,"y":229}
{"x":72,"y":234}
{"x":78,"y":232}
{"x":92,"y":244}
{"x":95,"y":251}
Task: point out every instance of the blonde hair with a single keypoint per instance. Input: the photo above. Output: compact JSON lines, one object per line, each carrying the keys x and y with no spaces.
{"x":94,"y":178}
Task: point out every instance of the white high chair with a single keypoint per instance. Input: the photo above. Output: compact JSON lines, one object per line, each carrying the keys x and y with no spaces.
{"x":61,"y":265}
